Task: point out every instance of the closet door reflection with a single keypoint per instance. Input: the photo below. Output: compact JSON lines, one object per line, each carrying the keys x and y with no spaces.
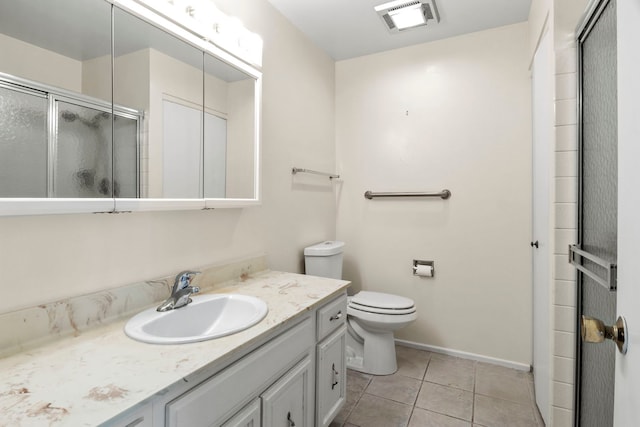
{"x":23,"y":142}
{"x":157,"y":76}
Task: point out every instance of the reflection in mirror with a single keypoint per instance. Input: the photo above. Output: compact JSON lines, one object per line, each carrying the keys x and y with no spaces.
{"x":229,"y":133}
{"x":137,"y":113}
{"x":55,"y":99}
{"x":161,"y":76}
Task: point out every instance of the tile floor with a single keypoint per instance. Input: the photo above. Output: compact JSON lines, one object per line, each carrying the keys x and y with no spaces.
{"x":435,"y":390}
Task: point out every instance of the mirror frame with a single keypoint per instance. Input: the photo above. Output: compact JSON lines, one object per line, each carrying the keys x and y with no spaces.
{"x":37,"y":206}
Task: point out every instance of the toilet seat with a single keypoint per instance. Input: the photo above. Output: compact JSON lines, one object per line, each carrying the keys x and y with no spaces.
{"x":381,"y":303}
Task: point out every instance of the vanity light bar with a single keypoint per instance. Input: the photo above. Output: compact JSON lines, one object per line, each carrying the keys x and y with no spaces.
{"x":203,"y":19}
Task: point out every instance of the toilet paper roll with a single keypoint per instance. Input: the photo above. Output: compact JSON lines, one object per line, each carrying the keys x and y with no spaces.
{"x":423,"y":270}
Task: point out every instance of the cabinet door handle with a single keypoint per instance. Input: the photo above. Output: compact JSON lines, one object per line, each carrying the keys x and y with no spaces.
{"x":338,"y":316}
{"x":290,"y":421}
{"x":334,"y":376}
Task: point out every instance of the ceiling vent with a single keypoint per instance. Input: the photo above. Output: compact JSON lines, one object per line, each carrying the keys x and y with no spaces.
{"x":401,"y":15}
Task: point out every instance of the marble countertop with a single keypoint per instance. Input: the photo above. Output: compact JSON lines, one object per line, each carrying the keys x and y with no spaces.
{"x":90,"y":378}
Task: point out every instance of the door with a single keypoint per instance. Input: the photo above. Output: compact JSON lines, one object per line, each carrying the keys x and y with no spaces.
{"x":543,"y":128}
{"x":627,"y":377}
{"x":598,"y":210}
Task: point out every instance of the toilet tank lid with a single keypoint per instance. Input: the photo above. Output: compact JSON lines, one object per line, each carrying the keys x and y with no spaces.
{"x":330,"y":247}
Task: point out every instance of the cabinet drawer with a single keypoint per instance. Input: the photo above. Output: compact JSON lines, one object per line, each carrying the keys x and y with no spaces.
{"x":332,"y":316}
{"x":226,"y":392}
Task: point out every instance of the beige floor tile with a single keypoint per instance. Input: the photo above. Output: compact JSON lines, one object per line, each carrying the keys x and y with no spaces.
{"x":373,"y":411}
{"x":503,"y":387}
{"x":501,"y":370}
{"x":452,"y":372}
{"x":445,"y":400}
{"x":455,"y":360}
{"x":356,"y":384}
{"x":412,"y":362}
{"x":492,"y":412}
{"x":423,"y":418}
{"x":395,"y":387}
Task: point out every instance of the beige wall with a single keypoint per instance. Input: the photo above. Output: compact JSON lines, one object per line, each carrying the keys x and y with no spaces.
{"x":40,"y":65}
{"x":449,"y":114}
{"x":45,"y":258}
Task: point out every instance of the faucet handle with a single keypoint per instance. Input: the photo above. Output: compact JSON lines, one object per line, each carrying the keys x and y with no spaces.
{"x":183,"y":280}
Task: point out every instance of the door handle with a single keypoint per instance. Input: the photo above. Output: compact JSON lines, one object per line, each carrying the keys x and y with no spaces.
{"x":290,"y":422}
{"x":534,"y":244}
{"x":595,"y":331}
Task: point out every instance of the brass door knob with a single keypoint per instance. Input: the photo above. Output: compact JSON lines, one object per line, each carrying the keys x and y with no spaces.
{"x":595,"y":331}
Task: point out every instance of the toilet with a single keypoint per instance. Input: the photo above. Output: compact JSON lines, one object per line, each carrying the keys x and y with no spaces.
{"x":372,"y":317}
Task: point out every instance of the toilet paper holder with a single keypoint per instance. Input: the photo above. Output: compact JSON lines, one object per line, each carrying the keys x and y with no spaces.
{"x":419,"y":262}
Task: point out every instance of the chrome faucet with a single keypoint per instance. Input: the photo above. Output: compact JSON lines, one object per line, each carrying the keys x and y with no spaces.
{"x":181,"y":291}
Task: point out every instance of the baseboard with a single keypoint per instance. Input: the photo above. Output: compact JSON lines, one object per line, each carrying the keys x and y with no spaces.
{"x":466,"y":355}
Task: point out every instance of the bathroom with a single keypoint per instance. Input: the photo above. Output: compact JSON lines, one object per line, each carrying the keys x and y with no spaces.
{"x":382,"y":126}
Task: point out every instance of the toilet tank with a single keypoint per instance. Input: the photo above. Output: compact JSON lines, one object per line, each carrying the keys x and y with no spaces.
{"x":324,"y":259}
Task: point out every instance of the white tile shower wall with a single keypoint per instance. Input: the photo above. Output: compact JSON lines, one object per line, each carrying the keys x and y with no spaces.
{"x":453,"y":114}
{"x":566,"y":233}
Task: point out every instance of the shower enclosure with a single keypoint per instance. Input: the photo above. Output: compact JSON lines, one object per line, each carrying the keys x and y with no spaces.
{"x":55,"y":143}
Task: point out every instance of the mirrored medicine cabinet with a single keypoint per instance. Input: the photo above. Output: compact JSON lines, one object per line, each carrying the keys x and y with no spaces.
{"x":103,"y":109}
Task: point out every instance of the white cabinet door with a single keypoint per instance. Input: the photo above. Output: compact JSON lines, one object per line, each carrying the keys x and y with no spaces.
{"x":287,"y":403}
{"x":331,"y":391}
{"x":247,"y":417}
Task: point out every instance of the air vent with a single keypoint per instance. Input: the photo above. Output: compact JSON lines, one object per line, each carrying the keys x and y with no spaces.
{"x":402,"y":15}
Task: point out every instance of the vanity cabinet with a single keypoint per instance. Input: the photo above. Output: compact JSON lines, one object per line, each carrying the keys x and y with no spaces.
{"x":331,"y":384}
{"x":296,"y":378}
{"x":222,"y":396}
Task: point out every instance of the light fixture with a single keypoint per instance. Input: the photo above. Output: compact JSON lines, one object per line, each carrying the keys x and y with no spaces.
{"x":400,"y":15}
{"x":203,"y":19}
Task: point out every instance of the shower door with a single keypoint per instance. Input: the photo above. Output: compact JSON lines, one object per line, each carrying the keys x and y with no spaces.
{"x":598,"y":209}
{"x":23,"y":141}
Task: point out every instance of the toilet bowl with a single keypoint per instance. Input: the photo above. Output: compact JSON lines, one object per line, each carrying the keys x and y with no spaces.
{"x":372,"y":317}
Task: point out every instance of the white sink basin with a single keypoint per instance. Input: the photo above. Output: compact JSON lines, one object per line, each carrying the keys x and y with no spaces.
{"x":207,"y":317}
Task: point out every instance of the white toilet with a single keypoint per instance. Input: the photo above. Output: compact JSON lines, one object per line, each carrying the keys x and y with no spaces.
{"x":372,"y":317}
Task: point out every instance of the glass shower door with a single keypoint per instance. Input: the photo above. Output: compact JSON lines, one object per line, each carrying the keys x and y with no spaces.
{"x":598,"y":209}
{"x":23,"y":142}
{"x":83,"y":147}
{"x":87,"y":161}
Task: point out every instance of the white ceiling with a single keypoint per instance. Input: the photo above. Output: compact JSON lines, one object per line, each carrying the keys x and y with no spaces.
{"x":350,"y":28}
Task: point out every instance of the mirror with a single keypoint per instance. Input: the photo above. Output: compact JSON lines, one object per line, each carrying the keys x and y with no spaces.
{"x":55,"y":117}
{"x":160,"y":117}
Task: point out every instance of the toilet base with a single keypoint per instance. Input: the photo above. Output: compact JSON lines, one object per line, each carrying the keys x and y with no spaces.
{"x":370,"y":353}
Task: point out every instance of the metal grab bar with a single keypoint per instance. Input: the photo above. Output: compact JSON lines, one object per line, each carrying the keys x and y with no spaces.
{"x":330,"y":175}
{"x":444,"y":194}
{"x":610,"y":282}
